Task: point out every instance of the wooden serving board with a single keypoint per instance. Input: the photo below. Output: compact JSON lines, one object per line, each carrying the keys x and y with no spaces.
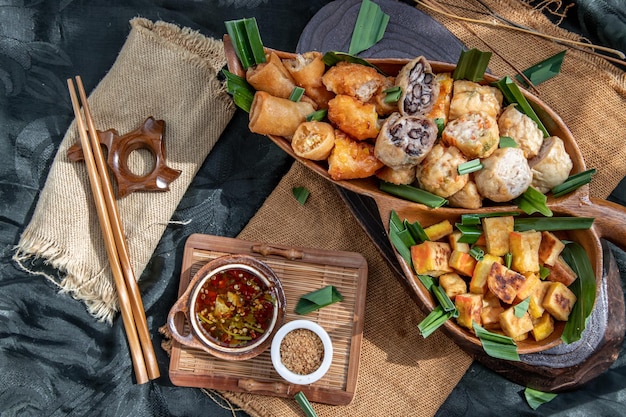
{"x":301,"y":270}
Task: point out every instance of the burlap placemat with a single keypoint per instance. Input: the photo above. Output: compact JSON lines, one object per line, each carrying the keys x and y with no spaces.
{"x":160,"y":72}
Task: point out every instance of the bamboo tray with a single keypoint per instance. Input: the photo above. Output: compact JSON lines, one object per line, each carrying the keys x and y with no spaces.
{"x":300,"y":270}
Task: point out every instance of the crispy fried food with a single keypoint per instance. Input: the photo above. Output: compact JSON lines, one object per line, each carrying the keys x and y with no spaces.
{"x":270,"y":115}
{"x":307,"y":70}
{"x":271,"y":76}
{"x":383,"y":108}
{"x":524,"y":130}
{"x":441,"y":108}
{"x":505,"y":175}
{"x":357,"y":119}
{"x":404,"y":141}
{"x":438,"y":173}
{"x":471,"y":97}
{"x":355,"y":80}
{"x":351,"y":159}
{"x":551,"y":166}
{"x":467,"y":197}
{"x":419,"y":88}
{"x":397,"y":176}
{"x":475,"y":134}
{"x":313,"y":140}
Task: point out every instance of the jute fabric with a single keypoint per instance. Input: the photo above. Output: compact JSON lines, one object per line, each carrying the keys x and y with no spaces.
{"x":64,"y":230}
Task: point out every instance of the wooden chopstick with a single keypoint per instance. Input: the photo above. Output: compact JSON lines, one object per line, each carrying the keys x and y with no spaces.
{"x":133,"y":315}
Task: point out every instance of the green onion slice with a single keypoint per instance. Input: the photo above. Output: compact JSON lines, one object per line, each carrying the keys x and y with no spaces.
{"x":584,"y":288}
{"x":440,"y":122}
{"x":543,"y":70}
{"x":521,"y":308}
{"x":333,"y":57}
{"x":407,"y":238}
{"x":573,"y":182}
{"x":318,"y":115}
{"x":513,"y":94}
{"x":427,"y":281}
{"x":434,"y":320}
{"x":543,"y":272}
{"x":477,"y":253}
{"x":246,"y":39}
{"x":296,"y":94}
{"x":414,"y":194}
{"x":240,"y":89}
{"x":444,"y":301}
{"x":318,"y":299}
{"x":417,"y":231}
{"x":369,"y":28}
{"x":507,"y":142}
{"x":395,"y":221}
{"x":508,"y":258}
{"x":497,"y":345}
{"x":471,"y":65}
{"x":396,"y":230}
{"x":552,"y":224}
{"x":301,"y":194}
{"x":533,"y":201}
{"x":304,"y":403}
{"x":469,"y":167}
{"x":535,"y":398}
{"x":469,"y":233}
{"x":392,"y":94}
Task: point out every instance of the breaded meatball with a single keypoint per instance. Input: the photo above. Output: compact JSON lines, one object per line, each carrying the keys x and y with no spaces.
{"x":355,"y":80}
{"x":522,"y":129}
{"x":551,"y":166}
{"x":438,"y":173}
{"x":475,"y":134}
{"x":468,"y":197}
{"x":505,"y":175}
{"x":471,"y":97}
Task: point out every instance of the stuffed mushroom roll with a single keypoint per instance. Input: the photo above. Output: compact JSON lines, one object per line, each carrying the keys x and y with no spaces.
{"x":405,"y":141}
{"x":420,"y":88}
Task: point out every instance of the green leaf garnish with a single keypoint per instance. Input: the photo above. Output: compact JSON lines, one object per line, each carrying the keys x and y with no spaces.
{"x":240,"y":89}
{"x":573,"y":182}
{"x":318,"y":299}
{"x":427,"y":281}
{"x":305,"y":405}
{"x":301,"y":194}
{"x":508,"y":258}
{"x":469,"y":233}
{"x":471,"y":65}
{"x":444,"y":301}
{"x":535,"y":398}
{"x":507,"y":142}
{"x":477,"y":253}
{"x":392,"y":94}
{"x":434,"y":320}
{"x":469,"y":167}
{"x":497,"y":345}
{"x":513,"y":94}
{"x":543,"y":272}
{"x":318,"y":115}
{"x":397,"y":237}
{"x":552,"y":224}
{"x":584,"y":287}
{"x":246,"y":39}
{"x":521,"y":308}
{"x":417,"y":231}
{"x":296,"y":94}
{"x":543,"y":70}
{"x":369,"y":28}
{"x":440,"y":122}
{"x":333,"y":57}
{"x":533,"y":201}
{"x":414,"y":194}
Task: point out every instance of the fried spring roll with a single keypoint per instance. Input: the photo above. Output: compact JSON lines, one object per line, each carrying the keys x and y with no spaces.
{"x":270,"y":115}
{"x":271,"y":76}
{"x":307,"y":70}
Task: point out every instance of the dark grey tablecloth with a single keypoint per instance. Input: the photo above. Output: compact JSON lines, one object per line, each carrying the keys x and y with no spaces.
{"x":54,"y":358}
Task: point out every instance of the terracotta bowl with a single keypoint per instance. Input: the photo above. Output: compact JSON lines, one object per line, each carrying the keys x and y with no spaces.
{"x":610,"y":218}
{"x":209,"y":279}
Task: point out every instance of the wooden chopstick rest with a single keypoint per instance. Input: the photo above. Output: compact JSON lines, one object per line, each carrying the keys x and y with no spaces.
{"x":148,"y":136}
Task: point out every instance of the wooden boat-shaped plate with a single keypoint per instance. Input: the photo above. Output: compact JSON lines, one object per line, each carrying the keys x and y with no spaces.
{"x":610,"y":223}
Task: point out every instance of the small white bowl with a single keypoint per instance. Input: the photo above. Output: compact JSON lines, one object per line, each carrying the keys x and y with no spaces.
{"x":293,"y":377}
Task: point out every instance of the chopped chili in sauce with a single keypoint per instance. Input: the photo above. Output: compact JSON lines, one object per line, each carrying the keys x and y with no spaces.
{"x":234,"y":307}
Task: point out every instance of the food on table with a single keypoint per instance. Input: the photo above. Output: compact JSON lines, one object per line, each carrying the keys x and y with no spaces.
{"x":403,"y":141}
{"x":271,"y":76}
{"x":441,"y":108}
{"x":475,"y":134}
{"x":313,"y":140}
{"x":271,"y":115}
{"x":398,"y":176}
{"x":467,"y":197}
{"x":522,"y":129}
{"x":471,"y":97}
{"x":351,"y":159}
{"x":234,"y":307}
{"x":505,"y":175}
{"x":302,"y":351}
{"x":307,"y":70}
{"x":419,"y":88}
{"x":384,"y":107}
{"x":354,"y":117}
{"x":438,"y":172}
{"x":354,"y":80}
{"x":551,"y":166}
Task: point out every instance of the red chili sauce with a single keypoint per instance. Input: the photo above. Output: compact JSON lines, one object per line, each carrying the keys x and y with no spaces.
{"x":234,"y":307}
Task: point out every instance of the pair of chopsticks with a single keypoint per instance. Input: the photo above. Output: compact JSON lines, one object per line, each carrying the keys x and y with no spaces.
{"x":133,"y":315}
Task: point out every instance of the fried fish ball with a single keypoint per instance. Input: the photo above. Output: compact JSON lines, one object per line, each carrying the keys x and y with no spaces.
{"x":313,"y":140}
{"x":307,"y":70}
{"x":467,"y":197}
{"x":475,"y":134}
{"x":355,"y":80}
{"x":438,"y":172}
{"x":551,"y":166}
{"x":505,"y":175}
{"x":354,"y":117}
{"x":404,"y":141}
{"x":398,"y":176}
{"x":350,"y":159}
{"x":271,"y":76}
{"x":522,"y":129}
{"x":419,"y":87}
{"x":471,"y":97}
{"x":270,"y":115}
{"x":441,"y":108}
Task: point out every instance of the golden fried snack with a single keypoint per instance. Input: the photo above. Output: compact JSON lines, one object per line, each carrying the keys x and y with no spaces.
{"x":355,"y":80}
{"x":471,"y":97}
{"x":270,"y":115}
{"x":524,"y":130}
{"x":313,"y":140}
{"x":467,"y":197}
{"x":441,"y":108}
{"x":551,"y":166}
{"x":505,"y":175}
{"x":383,"y":108}
{"x":399,"y":176}
{"x":475,"y":134}
{"x":351,"y":159}
{"x":354,"y":117}
{"x":419,"y":88}
{"x":307,"y":70}
{"x":438,"y":173}
{"x":271,"y":76}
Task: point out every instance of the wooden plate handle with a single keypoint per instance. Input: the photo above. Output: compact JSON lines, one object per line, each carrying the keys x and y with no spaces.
{"x":180,"y":307}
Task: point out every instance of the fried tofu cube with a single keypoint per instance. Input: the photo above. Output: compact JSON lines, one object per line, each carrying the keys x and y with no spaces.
{"x":462,"y":262}
{"x":559,"y":301}
{"x":490,"y":300}
{"x":524,"y":247}
{"x":550,"y":248}
{"x":431,"y":258}
{"x":532,"y":278}
{"x":504,"y":282}
{"x":469,"y":307}
{"x":439,"y":230}
{"x":514,"y":326}
{"x":543,"y":326}
{"x":535,"y":306}
{"x":453,"y":239}
{"x":453,"y":284}
{"x":490,"y":317}
{"x":496,"y":231}
{"x":478,"y":283}
{"x":562,"y":272}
